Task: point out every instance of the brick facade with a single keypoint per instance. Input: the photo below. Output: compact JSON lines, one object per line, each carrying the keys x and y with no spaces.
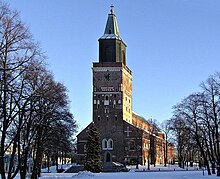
{"x":124,"y":135}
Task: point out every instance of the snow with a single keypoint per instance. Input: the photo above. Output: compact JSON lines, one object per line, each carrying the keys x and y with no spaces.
{"x":133,"y":175}
{"x":158,"y":172}
{"x":83,"y":174}
{"x":53,"y":169}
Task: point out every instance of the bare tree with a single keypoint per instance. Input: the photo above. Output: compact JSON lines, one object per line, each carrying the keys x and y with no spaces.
{"x":178,"y":127}
{"x":199,"y":113}
{"x":211,"y":88}
{"x":166,"y":130}
{"x":16,"y":50}
{"x":33,"y":106}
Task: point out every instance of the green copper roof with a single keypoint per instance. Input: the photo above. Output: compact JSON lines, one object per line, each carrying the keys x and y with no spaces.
{"x":111,"y":29}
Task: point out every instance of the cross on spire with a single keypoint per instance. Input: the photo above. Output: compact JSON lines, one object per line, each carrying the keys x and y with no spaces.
{"x":128,"y":132}
{"x":112,"y":9}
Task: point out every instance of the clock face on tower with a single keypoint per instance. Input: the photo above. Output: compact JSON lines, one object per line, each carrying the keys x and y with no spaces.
{"x":107,"y":76}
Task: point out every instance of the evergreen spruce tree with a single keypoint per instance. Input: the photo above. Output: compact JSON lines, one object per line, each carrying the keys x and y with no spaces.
{"x":93,"y":150}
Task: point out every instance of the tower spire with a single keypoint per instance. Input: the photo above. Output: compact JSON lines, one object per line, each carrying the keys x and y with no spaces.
{"x":112,"y":49}
{"x":111,"y":28}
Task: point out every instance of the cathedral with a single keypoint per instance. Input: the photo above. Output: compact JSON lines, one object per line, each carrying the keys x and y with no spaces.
{"x":125,"y":136}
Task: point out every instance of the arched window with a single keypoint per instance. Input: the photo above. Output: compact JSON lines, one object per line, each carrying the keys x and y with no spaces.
{"x":110,"y":144}
{"x":104,"y":144}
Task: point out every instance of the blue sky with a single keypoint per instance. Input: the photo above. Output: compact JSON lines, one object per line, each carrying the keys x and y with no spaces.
{"x":172,"y":46}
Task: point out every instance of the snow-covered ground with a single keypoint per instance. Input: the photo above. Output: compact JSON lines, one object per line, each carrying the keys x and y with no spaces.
{"x":132,"y":175}
{"x":169,"y":167}
{"x":52,"y":169}
{"x":158,"y":172}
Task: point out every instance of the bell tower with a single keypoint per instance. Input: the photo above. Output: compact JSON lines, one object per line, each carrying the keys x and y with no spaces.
{"x":112,"y":88}
{"x":111,"y":46}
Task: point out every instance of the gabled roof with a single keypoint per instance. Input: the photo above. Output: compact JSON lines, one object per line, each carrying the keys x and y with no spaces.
{"x":156,"y":128}
{"x":111,"y":29}
{"x":84,"y":130}
{"x":139,"y":117}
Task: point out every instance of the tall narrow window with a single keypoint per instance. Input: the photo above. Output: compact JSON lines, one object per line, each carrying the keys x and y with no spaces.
{"x":107,"y":117}
{"x":84,"y":148}
{"x":104,"y":144}
{"x":98,"y":103}
{"x":108,"y":54}
{"x":114,"y":103}
{"x":106,"y":101}
{"x":106,"y":110}
{"x":110,"y":144}
{"x":116,"y":117}
{"x":123,"y":57}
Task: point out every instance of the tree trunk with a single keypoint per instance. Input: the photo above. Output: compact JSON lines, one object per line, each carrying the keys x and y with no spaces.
{"x":166,"y":152}
{"x":37,"y":163}
{"x":4,"y":125}
{"x":218,"y":166}
{"x":38,"y":156}
{"x":48,"y":162}
{"x":11,"y":165}
{"x":206,"y":162}
{"x":2,"y":170}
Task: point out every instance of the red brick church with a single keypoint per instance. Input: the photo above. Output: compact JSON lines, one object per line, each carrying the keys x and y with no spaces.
{"x":125,"y":136}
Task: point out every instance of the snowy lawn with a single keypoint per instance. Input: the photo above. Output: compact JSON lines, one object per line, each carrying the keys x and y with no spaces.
{"x":131,"y":175}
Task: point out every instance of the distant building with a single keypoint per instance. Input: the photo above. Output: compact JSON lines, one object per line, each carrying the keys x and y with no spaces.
{"x":7,"y":158}
{"x":125,"y":136}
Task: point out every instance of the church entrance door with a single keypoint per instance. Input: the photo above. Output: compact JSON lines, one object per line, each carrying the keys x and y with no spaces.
{"x":108,"y":157}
